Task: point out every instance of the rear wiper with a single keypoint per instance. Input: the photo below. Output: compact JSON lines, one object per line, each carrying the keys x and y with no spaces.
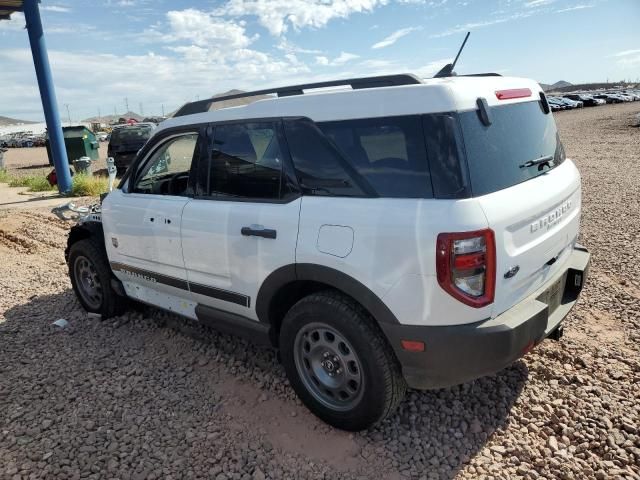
{"x":538,"y":161}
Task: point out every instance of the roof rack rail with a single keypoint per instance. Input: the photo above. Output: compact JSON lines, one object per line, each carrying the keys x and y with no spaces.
{"x":201,"y":106}
{"x":486,"y":74}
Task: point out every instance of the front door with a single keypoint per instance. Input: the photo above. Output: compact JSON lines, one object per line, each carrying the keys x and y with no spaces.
{"x":142,"y":225}
{"x":244,"y":223}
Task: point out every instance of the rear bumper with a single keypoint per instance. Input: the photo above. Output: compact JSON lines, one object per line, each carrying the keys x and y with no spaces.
{"x":459,"y":353}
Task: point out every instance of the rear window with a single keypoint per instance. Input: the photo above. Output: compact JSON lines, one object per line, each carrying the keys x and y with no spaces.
{"x":131,"y":134}
{"x":497,"y":154}
{"x":388,"y":152}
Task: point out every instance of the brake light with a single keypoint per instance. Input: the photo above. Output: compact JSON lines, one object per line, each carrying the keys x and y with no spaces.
{"x":466,"y":266}
{"x":513,"y":93}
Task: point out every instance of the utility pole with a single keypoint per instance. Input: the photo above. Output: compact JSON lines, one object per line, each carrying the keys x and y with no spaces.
{"x":115,"y":112}
{"x":68,"y":114}
{"x":99,"y":116}
{"x":163,"y":109}
{"x":126,"y":103}
{"x":141,"y":110}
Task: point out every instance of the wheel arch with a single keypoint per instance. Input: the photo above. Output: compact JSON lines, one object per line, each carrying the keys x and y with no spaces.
{"x":82,"y":231}
{"x":287,"y":285}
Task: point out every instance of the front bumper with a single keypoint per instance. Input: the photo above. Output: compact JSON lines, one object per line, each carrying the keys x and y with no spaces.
{"x":459,"y":353}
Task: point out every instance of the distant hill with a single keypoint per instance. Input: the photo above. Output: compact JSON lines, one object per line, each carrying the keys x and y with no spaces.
{"x":236,"y":102}
{"x":558,"y":85}
{"x":113,"y":118}
{"x":576,"y":87}
{"x":4,"y":121}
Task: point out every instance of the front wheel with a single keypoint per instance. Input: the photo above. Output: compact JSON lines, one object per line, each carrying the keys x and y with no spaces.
{"x":91,"y":279}
{"x":339,"y":363}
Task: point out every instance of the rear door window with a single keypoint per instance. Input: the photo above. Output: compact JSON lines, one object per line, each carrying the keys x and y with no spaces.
{"x":496,"y":154}
{"x":246,"y":161}
{"x":388,"y":152}
{"x":318,"y":165}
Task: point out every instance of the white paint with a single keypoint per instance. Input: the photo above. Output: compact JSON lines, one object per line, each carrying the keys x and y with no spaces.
{"x":145,"y":238}
{"x":218,"y":255}
{"x":336,"y":240}
{"x":434,"y":95}
{"x":510,"y":213}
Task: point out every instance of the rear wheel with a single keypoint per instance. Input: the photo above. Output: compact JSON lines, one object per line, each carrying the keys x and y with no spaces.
{"x":339,"y":363}
{"x":91,"y":278}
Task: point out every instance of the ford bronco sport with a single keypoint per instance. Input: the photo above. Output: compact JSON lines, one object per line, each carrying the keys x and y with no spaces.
{"x":398,"y":233}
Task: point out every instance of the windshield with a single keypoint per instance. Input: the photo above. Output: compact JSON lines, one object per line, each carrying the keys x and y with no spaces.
{"x":131,"y":134}
{"x":497,"y":154}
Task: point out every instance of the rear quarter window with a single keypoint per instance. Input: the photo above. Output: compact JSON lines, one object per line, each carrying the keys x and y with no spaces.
{"x":389,"y":153}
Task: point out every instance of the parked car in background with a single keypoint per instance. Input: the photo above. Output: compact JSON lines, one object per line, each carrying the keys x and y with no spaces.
{"x":609,"y":98}
{"x":587,"y":100}
{"x":625,"y":97}
{"x":556,"y":104}
{"x":125,"y":142}
{"x":571,"y":103}
{"x":102,"y":136}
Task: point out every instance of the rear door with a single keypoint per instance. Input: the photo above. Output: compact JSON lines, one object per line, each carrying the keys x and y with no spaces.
{"x":142,"y":224}
{"x":528,"y":192}
{"x":243,"y":223}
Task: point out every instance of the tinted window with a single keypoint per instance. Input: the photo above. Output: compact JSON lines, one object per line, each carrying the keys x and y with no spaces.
{"x":444,"y":149}
{"x":167,"y":170}
{"x":246,"y":161}
{"x":131,"y":134}
{"x":520,"y":132}
{"x":319,"y":168}
{"x":388,"y":152}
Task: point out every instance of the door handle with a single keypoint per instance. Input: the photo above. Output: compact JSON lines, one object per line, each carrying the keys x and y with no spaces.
{"x":258,"y":232}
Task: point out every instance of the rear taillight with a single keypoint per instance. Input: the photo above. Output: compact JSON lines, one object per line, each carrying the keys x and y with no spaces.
{"x":466,"y":266}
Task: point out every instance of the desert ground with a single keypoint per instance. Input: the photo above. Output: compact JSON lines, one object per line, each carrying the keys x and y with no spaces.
{"x":149,"y":396}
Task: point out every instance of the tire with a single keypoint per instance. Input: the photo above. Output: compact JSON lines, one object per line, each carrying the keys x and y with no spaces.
{"x":91,"y":278}
{"x":339,"y":363}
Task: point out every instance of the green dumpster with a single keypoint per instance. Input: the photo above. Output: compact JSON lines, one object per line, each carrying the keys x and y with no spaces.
{"x":79,"y":142}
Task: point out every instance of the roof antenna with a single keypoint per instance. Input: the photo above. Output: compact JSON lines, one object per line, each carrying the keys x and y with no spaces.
{"x":447,"y":70}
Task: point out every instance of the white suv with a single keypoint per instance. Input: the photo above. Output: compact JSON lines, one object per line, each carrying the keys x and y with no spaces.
{"x":395,"y":233}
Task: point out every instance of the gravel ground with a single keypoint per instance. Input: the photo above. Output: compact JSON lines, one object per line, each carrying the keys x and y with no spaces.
{"x":34,"y":161}
{"x":148,"y":396}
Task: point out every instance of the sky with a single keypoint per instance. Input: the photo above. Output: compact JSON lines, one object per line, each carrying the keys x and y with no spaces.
{"x":156,"y":55}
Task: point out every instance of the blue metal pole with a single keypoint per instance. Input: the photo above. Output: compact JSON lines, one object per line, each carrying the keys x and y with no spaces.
{"x":47,"y":94}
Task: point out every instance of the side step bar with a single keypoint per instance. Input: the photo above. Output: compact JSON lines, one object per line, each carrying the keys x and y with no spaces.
{"x":226,"y":322}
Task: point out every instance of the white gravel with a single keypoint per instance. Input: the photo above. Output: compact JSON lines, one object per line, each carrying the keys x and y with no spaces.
{"x":147,"y":396}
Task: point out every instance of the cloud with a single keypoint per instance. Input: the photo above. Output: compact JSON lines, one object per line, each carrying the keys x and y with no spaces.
{"x":14,"y":24}
{"x":340,"y":60}
{"x":277,"y":16}
{"x":432,"y":68}
{"x":575,"y":7}
{"x":625,"y":53}
{"x":344,"y":57}
{"x":538,"y":3}
{"x":205,"y":30}
{"x":394,"y":37}
{"x":287,"y":46}
{"x":473,"y":25}
{"x":627,"y":58}
{"x":55,"y":8}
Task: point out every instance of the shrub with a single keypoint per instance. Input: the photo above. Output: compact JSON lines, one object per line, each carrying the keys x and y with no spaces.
{"x":34,"y":183}
{"x":83,"y":185}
